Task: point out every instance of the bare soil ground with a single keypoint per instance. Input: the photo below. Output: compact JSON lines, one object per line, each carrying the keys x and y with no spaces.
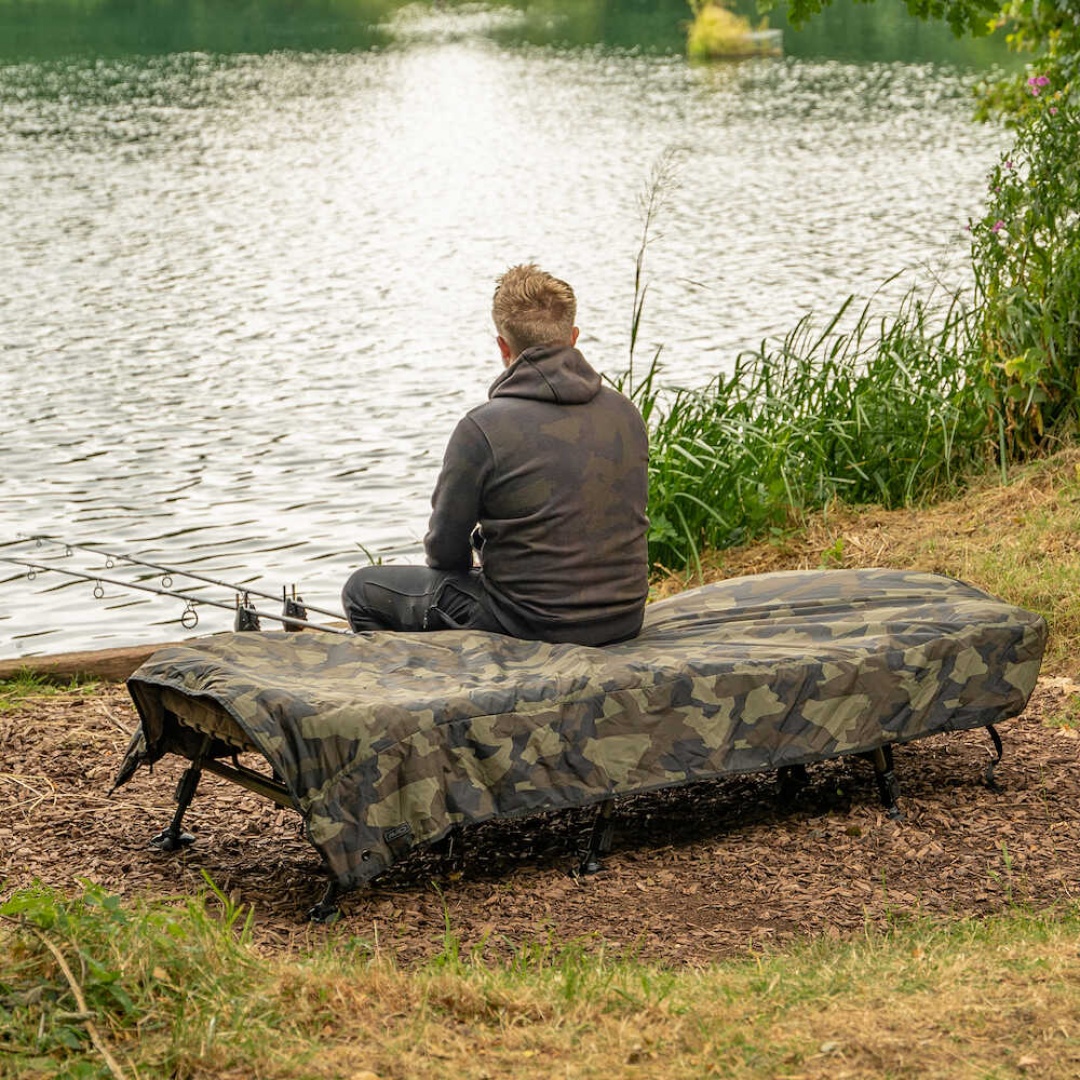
{"x":696,"y":874}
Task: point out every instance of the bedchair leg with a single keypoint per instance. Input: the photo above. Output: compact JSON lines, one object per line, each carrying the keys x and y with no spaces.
{"x":888,"y":785}
{"x":327,"y":909}
{"x":173,"y":838}
{"x":603,"y":832}
{"x":450,"y":847}
{"x":792,"y":779}
{"x":988,"y":776}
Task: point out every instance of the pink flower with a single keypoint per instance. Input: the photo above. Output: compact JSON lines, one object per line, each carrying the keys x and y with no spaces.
{"x":997,"y":226}
{"x":1036,"y":82}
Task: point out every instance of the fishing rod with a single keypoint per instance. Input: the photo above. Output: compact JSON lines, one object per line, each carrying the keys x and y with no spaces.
{"x":247,"y":617}
{"x":170,"y":572}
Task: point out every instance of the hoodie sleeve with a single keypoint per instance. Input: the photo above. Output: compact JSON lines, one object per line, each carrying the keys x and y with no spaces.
{"x":456,"y":501}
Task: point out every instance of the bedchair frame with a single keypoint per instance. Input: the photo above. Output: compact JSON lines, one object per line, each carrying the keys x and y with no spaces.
{"x":386,"y":742}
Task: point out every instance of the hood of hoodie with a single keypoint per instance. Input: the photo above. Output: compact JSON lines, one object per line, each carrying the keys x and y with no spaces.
{"x":555,"y":373}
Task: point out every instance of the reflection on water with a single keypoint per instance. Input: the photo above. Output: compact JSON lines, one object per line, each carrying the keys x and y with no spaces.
{"x":245,"y":295}
{"x":61,"y":28}
{"x":846,"y":29}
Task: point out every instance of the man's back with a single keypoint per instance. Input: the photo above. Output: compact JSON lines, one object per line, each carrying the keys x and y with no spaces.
{"x":547,"y":479}
{"x":559,"y":467}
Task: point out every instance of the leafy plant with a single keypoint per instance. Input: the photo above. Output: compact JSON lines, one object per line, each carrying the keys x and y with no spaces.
{"x":1026,"y":255}
{"x":717,"y":31}
{"x":971,"y":16}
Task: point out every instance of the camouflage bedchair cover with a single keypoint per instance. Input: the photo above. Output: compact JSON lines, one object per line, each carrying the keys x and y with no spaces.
{"x":385,"y":741}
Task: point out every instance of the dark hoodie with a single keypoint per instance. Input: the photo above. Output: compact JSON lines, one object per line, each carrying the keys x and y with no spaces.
{"x":554,"y":468}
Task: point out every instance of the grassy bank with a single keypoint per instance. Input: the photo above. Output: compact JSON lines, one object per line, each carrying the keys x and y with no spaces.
{"x":90,"y":989}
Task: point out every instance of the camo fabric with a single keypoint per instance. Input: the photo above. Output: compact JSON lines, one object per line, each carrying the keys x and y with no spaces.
{"x":385,"y":741}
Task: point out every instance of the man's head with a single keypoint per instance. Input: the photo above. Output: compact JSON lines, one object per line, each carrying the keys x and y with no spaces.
{"x":532,"y":308}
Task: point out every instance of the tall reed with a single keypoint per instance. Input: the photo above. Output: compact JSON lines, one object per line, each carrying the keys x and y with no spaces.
{"x":1026,"y":258}
{"x":886,"y":412}
{"x":892,"y":410}
{"x":663,"y":181}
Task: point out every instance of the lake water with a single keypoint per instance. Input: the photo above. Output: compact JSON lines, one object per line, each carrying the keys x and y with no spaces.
{"x":244,"y":291}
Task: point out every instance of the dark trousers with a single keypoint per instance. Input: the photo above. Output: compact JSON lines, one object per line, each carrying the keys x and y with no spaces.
{"x":411,"y":598}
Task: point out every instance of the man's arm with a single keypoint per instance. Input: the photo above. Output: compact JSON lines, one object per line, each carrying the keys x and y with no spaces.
{"x":455,"y":503}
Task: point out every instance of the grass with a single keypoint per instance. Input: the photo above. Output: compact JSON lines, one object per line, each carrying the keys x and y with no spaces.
{"x":28,"y":684}
{"x":1017,"y":539}
{"x":89,"y":989}
{"x":879,"y":412}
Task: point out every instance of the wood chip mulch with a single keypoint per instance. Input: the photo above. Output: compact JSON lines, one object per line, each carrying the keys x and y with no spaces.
{"x":696,"y":874}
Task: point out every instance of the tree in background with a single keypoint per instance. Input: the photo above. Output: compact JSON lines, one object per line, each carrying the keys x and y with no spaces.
{"x":1046,"y":30}
{"x":964,"y":16}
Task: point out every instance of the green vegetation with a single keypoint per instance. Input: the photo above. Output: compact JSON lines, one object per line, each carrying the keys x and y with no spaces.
{"x":884,"y":412}
{"x":90,"y":989}
{"x":28,"y":685}
{"x":1026,"y":255}
{"x":971,"y":16}
{"x":716,"y":32}
{"x":87,"y":970}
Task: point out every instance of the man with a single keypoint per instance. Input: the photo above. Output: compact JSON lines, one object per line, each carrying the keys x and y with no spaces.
{"x":538,"y":518}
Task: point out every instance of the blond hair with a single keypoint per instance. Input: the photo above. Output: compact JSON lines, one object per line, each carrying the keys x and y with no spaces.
{"x":531,"y":307}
